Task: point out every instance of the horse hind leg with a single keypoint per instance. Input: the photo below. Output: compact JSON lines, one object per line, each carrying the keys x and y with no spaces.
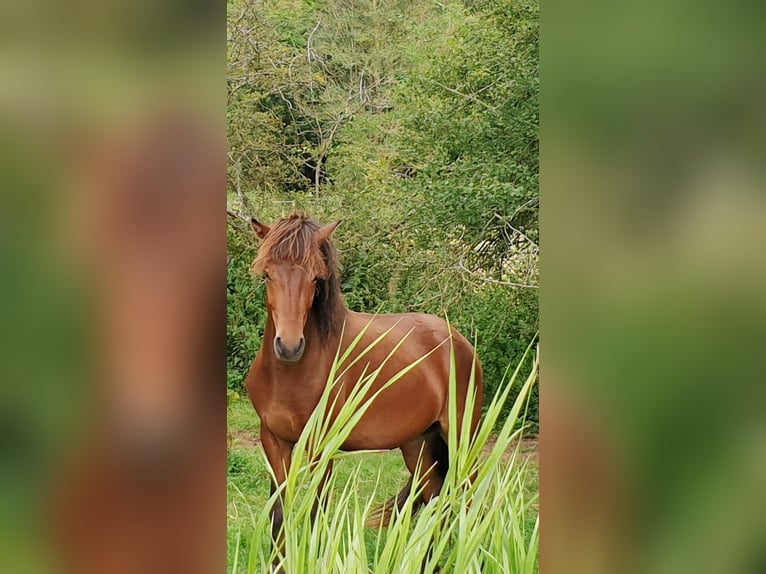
{"x":427,"y":459}
{"x":438,"y":457}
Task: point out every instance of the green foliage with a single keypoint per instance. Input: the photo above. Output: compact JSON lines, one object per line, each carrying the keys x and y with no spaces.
{"x":416,"y":124}
{"x":477,"y":130}
{"x":237,"y":464}
{"x":245,"y":308}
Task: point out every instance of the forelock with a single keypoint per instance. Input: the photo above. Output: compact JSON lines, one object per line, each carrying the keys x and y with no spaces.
{"x":292,"y":240}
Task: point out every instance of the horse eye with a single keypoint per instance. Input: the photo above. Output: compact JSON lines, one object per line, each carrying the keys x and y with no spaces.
{"x":266,"y":276}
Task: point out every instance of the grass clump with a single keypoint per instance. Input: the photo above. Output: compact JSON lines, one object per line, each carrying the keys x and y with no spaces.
{"x":488,"y":525}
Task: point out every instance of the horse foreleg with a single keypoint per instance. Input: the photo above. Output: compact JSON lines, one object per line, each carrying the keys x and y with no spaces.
{"x":278,"y":453}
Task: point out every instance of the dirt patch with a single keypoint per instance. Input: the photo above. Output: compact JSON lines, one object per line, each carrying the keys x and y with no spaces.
{"x":528,"y":449}
{"x":245,"y":438}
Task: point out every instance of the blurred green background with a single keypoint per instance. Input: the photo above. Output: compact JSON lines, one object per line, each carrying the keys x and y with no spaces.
{"x":653,"y":313}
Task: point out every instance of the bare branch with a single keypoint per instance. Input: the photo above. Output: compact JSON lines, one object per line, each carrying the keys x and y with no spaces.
{"x":237,"y":221}
{"x":507,"y":223}
{"x":308,"y":43}
{"x":467,"y":96}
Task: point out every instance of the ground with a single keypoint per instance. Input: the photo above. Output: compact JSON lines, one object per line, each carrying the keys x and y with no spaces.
{"x":240,"y":438}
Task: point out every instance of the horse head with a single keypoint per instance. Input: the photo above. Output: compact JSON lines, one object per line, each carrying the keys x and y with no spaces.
{"x":295,"y":259}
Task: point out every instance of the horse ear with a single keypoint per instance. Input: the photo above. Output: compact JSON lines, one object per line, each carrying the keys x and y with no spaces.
{"x":324,"y":233}
{"x":260,"y":229}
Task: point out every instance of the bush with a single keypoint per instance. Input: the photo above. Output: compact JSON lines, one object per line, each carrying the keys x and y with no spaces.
{"x":245,"y":308}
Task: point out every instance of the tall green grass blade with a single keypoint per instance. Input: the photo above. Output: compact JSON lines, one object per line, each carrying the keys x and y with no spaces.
{"x":487,"y":525}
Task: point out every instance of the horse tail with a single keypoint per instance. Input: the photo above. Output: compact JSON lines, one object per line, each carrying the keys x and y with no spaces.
{"x":440,"y":453}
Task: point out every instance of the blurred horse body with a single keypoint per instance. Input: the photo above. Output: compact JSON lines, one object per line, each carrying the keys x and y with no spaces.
{"x":142,"y":489}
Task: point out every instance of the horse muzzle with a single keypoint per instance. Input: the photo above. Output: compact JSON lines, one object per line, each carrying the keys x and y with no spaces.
{"x":288,"y":353}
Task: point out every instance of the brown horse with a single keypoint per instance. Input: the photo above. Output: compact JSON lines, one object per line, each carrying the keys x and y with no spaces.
{"x":308,"y":321}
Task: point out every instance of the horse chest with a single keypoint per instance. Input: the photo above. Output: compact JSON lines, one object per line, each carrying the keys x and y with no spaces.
{"x":285,"y":424}
{"x":286,"y":414}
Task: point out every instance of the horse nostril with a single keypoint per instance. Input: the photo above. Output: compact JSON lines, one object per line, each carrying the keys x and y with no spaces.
{"x":289,"y":353}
